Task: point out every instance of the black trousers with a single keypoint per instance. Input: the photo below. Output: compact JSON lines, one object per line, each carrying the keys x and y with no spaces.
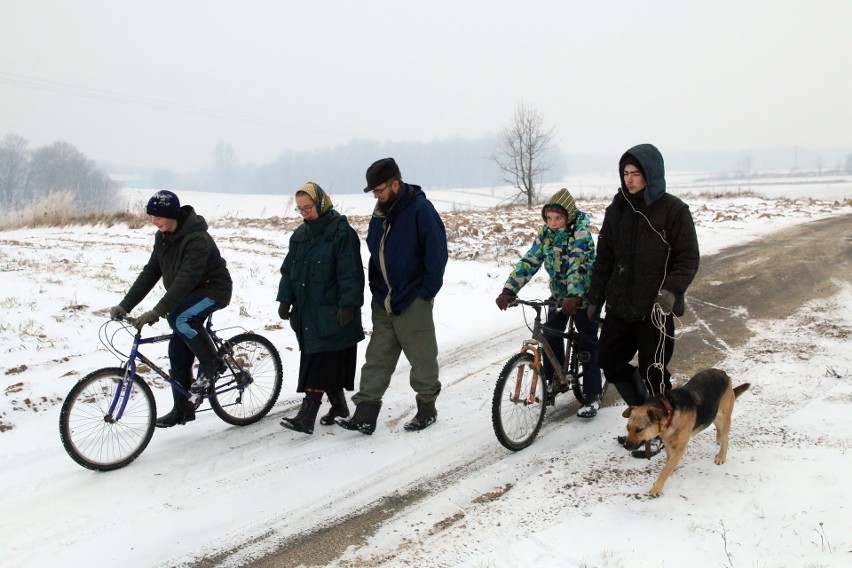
{"x":621,"y":340}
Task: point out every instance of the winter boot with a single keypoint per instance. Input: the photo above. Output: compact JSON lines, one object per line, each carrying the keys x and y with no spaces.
{"x":364,"y":419}
{"x":591,"y":404}
{"x":209,"y":362}
{"x":425,"y":417}
{"x":183,"y":410}
{"x":339,"y":408}
{"x":652,"y":448}
{"x":305,"y":419}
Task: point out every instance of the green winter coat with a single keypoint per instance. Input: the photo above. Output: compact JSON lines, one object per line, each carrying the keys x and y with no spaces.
{"x":187,"y":260}
{"x":321,"y":273}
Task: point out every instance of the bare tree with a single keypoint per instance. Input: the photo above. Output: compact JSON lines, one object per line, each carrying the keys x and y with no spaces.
{"x":61,"y":167}
{"x":14,"y":164}
{"x":225,"y":162}
{"x":522,"y":150}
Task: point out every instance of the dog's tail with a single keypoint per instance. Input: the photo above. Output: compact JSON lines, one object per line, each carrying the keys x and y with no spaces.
{"x":741,"y":389}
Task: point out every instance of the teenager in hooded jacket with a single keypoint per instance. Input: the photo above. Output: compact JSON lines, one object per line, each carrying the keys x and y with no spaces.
{"x":647,"y":256}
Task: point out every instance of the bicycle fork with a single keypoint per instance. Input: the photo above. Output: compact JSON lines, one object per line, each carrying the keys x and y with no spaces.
{"x":532,"y":348}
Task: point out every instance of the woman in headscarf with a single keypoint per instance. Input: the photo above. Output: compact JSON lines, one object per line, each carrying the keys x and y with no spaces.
{"x":321,"y":292}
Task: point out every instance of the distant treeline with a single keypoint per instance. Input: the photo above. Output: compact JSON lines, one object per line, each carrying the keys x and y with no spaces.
{"x":27,"y":176}
{"x":439,"y":164}
{"x":466,"y":163}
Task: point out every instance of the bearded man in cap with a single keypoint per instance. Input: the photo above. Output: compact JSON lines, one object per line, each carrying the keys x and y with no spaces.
{"x":647,"y":256}
{"x":197,"y":283}
{"x":408,"y":254}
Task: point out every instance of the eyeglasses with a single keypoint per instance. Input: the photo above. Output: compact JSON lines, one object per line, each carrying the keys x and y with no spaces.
{"x":380,"y":189}
{"x":305,"y":209}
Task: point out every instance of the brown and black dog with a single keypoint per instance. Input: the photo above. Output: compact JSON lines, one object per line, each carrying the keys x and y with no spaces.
{"x":707,"y":398}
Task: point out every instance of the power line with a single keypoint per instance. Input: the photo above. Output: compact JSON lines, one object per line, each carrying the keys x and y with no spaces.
{"x":47,"y":85}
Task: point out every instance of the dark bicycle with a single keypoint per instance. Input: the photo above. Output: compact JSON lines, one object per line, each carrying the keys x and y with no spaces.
{"x":108,"y":418}
{"x":521,"y":394}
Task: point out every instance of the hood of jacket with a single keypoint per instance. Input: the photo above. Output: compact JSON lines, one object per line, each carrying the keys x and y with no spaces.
{"x":407,"y":194}
{"x":654,"y":168}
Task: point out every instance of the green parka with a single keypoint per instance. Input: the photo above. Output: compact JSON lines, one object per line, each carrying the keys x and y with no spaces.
{"x":187,"y":260}
{"x":321,"y":273}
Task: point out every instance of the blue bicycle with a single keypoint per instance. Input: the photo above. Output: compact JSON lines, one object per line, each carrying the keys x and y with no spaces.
{"x":108,"y":418}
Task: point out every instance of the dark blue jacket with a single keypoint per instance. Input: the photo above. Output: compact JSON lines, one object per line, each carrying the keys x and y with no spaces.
{"x":408,"y":251}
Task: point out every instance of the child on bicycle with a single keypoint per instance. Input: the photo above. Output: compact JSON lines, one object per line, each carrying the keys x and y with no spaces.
{"x":565,"y":247}
{"x":197,"y":283}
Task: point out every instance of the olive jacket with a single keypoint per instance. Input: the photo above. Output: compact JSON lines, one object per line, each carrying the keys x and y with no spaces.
{"x":187,"y":260}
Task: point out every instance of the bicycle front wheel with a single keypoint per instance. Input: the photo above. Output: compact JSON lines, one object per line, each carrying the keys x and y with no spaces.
{"x":246,"y":392}
{"x":517,"y":409}
{"x":92,"y":435}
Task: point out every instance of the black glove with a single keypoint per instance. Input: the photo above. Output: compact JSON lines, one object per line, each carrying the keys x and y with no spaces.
{"x":284,"y":310}
{"x":504,"y":299}
{"x":571,"y":304}
{"x":150,"y":317}
{"x":666,"y":301}
{"x":117,"y":312}
{"x":345,"y":315}
{"x":594,"y":312}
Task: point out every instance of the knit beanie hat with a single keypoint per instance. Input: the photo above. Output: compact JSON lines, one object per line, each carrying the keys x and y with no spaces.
{"x":381,"y":171}
{"x":630,"y":160}
{"x":563,"y":203}
{"x":164,"y":204}
{"x":320,"y":198}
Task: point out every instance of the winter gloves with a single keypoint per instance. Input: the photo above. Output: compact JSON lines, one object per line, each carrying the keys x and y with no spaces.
{"x":594,"y":312}
{"x":345,"y":315}
{"x":150,"y":317}
{"x":504,"y":299}
{"x":117,"y":312}
{"x":571,"y":304}
{"x":666,"y":301}
{"x":284,"y":310}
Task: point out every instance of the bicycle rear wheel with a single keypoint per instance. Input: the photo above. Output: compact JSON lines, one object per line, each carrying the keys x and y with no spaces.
{"x":517,"y":418}
{"x":246,"y":392}
{"x":91,"y":435}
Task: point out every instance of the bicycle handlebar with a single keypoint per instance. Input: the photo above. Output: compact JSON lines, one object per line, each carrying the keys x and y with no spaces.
{"x":533,"y":303}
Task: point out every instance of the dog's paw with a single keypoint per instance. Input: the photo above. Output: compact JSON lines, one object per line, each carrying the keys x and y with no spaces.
{"x":655,"y":491}
{"x":720,"y":459}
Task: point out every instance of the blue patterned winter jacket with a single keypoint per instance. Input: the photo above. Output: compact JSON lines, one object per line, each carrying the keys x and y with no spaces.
{"x":567,"y":255}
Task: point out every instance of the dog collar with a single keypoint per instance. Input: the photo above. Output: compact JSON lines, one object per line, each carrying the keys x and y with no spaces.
{"x":669,"y":411}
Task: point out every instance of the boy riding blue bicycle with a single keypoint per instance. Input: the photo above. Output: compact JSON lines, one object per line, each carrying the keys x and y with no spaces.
{"x":197,"y":283}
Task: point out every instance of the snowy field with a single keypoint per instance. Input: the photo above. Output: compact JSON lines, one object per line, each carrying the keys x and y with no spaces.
{"x":574,"y":498}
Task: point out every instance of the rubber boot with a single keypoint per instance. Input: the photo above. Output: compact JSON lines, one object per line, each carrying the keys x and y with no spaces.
{"x":183,"y":410}
{"x":305,"y":419}
{"x":364,"y":419}
{"x":339,"y":408}
{"x":425,"y":417}
{"x":209,"y":362}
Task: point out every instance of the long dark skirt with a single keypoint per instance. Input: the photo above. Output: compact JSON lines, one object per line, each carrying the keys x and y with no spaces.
{"x":328,"y":370}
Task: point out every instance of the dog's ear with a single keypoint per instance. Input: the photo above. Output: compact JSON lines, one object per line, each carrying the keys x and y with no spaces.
{"x":655,"y":414}
{"x":628,"y":411}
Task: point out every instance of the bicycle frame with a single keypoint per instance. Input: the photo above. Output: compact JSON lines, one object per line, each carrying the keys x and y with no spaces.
{"x":122,"y":393}
{"x":538,"y":343}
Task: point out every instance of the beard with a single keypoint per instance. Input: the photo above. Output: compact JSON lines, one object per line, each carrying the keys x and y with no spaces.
{"x":386,"y":206}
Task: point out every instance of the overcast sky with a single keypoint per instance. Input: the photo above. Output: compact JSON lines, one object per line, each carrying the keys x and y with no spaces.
{"x":161,"y":82}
